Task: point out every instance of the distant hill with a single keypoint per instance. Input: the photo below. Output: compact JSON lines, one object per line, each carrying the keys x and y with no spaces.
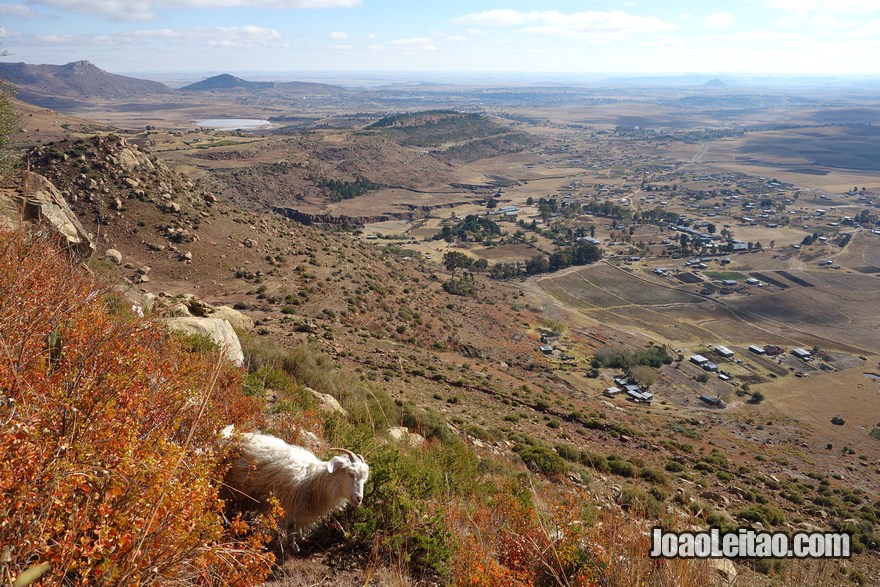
{"x":226,"y":81}
{"x":715,"y":83}
{"x":60,"y":86}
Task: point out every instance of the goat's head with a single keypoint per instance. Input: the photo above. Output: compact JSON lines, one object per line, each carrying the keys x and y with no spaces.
{"x":352,"y":471}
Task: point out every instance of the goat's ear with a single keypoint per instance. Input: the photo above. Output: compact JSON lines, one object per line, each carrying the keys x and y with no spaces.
{"x":336,"y":463}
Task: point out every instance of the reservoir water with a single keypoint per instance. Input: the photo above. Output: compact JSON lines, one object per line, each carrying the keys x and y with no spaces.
{"x":233,"y":123}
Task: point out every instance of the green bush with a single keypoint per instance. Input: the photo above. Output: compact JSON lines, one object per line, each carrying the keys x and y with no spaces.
{"x":596,"y":461}
{"x":459,"y":287}
{"x":265,"y":378}
{"x":402,"y":516}
{"x":641,"y":502}
{"x":621,"y":467}
{"x":764,"y":513}
{"x":715,"y":458}
{"x":541,"y":459}
{"x":675,"y":467}
{"x":569,"y":453}
{"x":653,"y":476}
{"x":704,"y":467}
{"x":426,"y":422}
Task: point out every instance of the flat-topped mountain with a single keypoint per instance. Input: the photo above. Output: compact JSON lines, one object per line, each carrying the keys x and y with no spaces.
{"x":55,"y":86}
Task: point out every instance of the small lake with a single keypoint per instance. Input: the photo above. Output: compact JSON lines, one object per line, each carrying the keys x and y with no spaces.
{"x":233,"y":123}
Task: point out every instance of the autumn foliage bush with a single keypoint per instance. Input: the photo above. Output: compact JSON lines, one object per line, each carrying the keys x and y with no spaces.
{"x":513,"y":542}
{"x":108,"y":465}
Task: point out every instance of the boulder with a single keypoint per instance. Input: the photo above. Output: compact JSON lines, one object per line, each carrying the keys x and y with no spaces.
{"x":401,"y":435}
{"x":178,"y":310}
{"x":130,"y":158}
{"x":238,"y":320}
{"x":36,"y":201}
{"x":327,"y":403}
{"x":714,"y":496}
{"x":113,"y":256}
{"x":217,"y":329}
{"x":726,"y":571}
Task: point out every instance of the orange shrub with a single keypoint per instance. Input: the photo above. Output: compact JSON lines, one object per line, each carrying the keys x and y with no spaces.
{"x":107,"y":426}
{"x":509,"y":542}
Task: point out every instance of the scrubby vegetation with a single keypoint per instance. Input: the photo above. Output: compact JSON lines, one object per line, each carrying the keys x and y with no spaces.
{"x":114,"y":421}
{"x":110,"y":473}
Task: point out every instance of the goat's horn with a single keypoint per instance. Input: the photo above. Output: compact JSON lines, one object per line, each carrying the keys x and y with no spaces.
{"x":352,"y":457}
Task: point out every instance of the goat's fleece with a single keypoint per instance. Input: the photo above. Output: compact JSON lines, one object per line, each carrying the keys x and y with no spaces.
{"x":307,"y":488}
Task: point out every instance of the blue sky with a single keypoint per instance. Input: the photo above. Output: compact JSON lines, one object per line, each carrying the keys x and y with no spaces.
{"x":552,"y":36}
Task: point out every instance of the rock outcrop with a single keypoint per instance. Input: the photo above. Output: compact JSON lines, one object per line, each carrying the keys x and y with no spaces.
{"x":217,"y":329}
{"x":36,"y":202}
{"x":402,"y":436}
{"x":327,"y":403}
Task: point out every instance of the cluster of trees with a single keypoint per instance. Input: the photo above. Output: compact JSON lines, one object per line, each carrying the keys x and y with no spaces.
{"x":579,"y":254}
{"x":337,"y":190}
{"x":609,"y":209}
{"x":472,"y":228}
{"x":622,"y":358}
{"x":810,"y":238}
{"x":867,"y":217}
{"x":656,"y":216}
{"x":454,"y":260}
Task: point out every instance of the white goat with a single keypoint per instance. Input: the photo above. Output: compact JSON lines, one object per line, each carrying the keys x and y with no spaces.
{"x":307,"y":488}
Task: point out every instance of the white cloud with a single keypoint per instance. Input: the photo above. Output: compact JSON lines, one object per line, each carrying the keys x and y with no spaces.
{"x":414,"y":44}
{"x":763,"y":35}
{"x":667,"y":42}
{"x":339,"y":36}
{"x":126,"y":10}
{"x":587,"y":25}
{"x":259,"y":3}
{"x":19,"y":10}
{"x":142,"y":10}
{"x":804,"y":6}
{"x":78,"y":40}
{"x":495,"y":18}
{"x":868,"y":29}
{"x":719,"y":20}
{"x":244,"y":36}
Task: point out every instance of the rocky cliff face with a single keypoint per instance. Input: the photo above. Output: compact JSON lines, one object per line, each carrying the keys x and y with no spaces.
{"x":34,"y":201}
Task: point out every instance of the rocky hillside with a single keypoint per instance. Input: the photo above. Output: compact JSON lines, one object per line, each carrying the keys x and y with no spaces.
{"x":58,"y":86}
{"x":288,"y":171}
{"x":371,"y":324}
